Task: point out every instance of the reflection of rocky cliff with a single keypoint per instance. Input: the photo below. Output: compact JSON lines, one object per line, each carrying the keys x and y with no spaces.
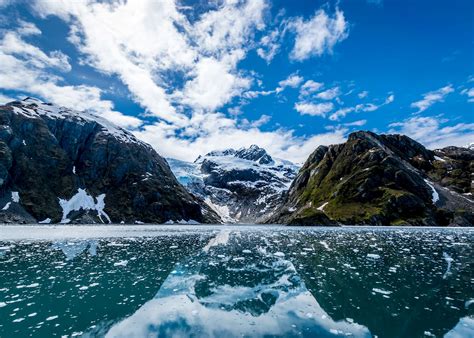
{"x":232,"y":291}
{"x":61,"y":165}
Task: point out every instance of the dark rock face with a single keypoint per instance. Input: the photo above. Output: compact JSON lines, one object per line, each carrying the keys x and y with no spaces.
{"x":381,"y":180}
{"x":76,"y":167}
{"x":243,"y":185}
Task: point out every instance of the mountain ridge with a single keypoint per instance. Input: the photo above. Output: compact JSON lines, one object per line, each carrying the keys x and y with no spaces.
{"x":70,"y":166}
{"x":241,"y":185}
{"x":381,"y":180}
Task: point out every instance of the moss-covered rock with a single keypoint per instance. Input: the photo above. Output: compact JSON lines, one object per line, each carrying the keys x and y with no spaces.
{"x":382,"y":180}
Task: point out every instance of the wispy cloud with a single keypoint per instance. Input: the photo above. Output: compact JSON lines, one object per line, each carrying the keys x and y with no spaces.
{"x":431,"y":98}
{"x":469,"y":93}
{"x":362,"y":107}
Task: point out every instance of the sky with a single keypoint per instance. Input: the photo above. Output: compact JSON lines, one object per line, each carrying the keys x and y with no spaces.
{"x":190,"y":77}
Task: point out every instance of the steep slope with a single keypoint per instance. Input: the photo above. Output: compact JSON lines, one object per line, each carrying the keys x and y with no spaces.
{"x":241,"y":185}
{"x":381,"y":179}
{"x":60,"y":165}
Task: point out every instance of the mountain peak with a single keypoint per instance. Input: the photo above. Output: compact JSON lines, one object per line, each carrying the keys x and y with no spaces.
{"x":254,"y":153}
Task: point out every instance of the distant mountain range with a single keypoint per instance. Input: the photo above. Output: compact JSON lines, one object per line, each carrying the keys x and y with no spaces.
{"x":58,"y":165}
{"x":242,"y":186}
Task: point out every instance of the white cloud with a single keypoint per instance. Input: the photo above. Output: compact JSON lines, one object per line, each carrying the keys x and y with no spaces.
{"x":469,"y":93}
{"x":27,"y":28}
{"x":362,"y":107}
{"x":310,"y":87}
{"x":13,"y":44}
{"x":143,"y":41}
{"x":219,"y":132}
{"x":329,"y":94}
{"x":269,"y":45}
{"x":314,"y":109}
{"x":317,"y":35}
{"x":433,"y":131}
{"x":150,"y":44}
{"x":213,"y":86}
{"x":292,"y":81}
{"x":431,"y":98}
{"x":363,"y":94}
{"x":358,"y":123}
{"x":26,"y":68}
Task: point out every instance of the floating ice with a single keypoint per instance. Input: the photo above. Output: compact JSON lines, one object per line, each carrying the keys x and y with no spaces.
{"x":449,"y":261}
{"x":381,"y":291}
{"x":121,"y":263}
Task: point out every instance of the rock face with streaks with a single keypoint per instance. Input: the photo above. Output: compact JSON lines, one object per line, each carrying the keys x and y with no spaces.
{"x":61,"y":165}
{"x":381,"y":180}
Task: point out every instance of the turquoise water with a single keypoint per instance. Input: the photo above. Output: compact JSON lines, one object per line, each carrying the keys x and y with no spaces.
{"x":236,"y":281}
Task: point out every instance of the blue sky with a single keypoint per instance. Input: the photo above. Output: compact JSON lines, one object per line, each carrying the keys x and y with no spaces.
{"x":194,"y":76}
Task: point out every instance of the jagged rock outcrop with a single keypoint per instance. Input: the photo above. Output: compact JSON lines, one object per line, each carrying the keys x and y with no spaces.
{"x":243,"y":185}
{"x":381,"y":180}
{"x":60,"y":165}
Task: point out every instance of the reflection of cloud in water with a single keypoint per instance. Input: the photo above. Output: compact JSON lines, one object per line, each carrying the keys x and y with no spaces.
{"x":74,"y":249}
{"x":177,"y":310}
{"x":463,"y":329}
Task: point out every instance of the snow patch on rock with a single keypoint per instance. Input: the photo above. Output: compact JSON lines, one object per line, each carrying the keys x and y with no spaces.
{"x":82,"y":200}
{"x":434,"y":195}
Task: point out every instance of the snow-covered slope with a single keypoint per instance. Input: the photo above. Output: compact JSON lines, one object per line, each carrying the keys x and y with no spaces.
{"x":241,"y":185}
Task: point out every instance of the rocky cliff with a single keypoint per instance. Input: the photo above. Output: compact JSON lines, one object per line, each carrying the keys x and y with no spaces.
{"x":61,"y":165}
{"x":381,"y":180}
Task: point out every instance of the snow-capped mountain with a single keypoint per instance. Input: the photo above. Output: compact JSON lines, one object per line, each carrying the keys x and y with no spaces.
{"x":242,"y":185}
{"x":61,"y":165}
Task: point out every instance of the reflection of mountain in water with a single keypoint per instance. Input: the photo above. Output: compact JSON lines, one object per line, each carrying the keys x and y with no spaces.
{"x":240,"y":293}
{"x":72,"y":249}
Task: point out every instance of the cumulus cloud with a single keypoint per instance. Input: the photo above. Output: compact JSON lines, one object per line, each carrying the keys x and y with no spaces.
{"x":318,"y":35}
{"x":143,"y":41}
{"x":28,"y":69}
{"x":329,"y":94}
{"x":310,"y":87}
{"x":431,"y":98}
{"x":219,"y":132}
{"x":292,"y":81}
{"x":314,"y":109}
{"x":269,"y":45}
{"x":179,"y":68}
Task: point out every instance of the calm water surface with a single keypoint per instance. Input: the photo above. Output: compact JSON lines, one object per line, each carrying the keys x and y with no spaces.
{"x":236,"y":281}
